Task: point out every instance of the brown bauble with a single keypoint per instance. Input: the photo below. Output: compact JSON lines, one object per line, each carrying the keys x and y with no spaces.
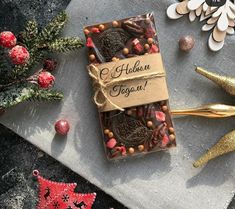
{"x":186,"y":43}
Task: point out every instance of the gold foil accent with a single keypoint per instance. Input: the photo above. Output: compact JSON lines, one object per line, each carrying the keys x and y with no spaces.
{"x":209,"y":111}
{"x":225,"y":82}
{"x":225,"y":145}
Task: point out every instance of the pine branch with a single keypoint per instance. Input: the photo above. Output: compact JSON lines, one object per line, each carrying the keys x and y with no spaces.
{"x":65,"y":44}
{"x":18,"y":94}
{"x":23,"y":71}
{"x":29,"y":35}
{"x":53,"y":29}
{"x":46,"y":95}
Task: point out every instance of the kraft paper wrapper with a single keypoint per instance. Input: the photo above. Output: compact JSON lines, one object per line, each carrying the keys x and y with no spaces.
{"x":151,"y":89}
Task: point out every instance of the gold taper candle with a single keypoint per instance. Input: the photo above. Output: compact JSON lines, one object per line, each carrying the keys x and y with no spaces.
{"x":225,"y":82}
{"x":225,"y":145}
{"x":209,"y":111}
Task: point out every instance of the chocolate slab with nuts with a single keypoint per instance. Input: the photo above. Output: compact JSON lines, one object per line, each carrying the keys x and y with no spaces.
{"x":141,"y":129}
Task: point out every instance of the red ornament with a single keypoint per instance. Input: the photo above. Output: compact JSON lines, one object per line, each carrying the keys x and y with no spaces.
{"x":89,"y":43}
{"x":160,"y":116}
{"x":45,"y":79}
{"x":19,"y":55}
{"x":62,"y":127}
{"x":54,"y":195}
{"x":49,"y":64}
{"x":150,"y":32}
{"x":7,"y":39}
{"x":153,"y":49}
{"x":95,"y":30}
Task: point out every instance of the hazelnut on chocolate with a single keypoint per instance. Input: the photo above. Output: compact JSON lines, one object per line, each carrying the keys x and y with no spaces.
{"x":101,"y":27}
{"x":115,"y":24}
{"x":146,"y":46}
{"x":150,"y":40}
{"x":141,"y":148}
{"x":172,"y":137}
{"x":125,"y":51}
{"x":86,"y":31}
{"x":92,"y":57}
{"x":131,"y":150}
{"x":149,"y":124}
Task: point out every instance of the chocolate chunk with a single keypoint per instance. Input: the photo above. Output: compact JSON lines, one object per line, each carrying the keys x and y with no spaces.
{"x":111,"y":41}
{"x":132,"y":28}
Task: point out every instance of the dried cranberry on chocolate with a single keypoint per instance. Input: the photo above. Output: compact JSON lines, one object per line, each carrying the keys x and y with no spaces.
{"x":153,"y":49}
{"x":89,"y":43}
{"x":138,"y":48}
{"x":150,"y":32}
{"x":95,"y":30}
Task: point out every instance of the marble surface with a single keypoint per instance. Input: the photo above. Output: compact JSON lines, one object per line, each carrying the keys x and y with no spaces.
{"x":164,"y":180}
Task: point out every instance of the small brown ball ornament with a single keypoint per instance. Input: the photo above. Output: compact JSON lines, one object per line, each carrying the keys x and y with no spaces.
{"x":62,"y":127}
{"x":186,"y":43}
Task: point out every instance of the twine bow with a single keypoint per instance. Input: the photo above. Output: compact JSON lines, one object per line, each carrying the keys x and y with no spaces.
{"x":100,"y":86}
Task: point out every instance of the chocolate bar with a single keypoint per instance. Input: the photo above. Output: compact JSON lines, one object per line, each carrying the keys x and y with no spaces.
{"x":137,"y":129}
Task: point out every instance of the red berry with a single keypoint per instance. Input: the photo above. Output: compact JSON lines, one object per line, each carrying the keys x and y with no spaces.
{"x":19,"y":55}
{"x":62,"y":127}
{"x":7,"y":39}
{"x":45,"y":79}
{"x":49,"y":64}
{"x":89,"y":43}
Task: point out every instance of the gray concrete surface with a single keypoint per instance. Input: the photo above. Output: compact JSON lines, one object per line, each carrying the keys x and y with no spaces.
{"x":165,"y":171}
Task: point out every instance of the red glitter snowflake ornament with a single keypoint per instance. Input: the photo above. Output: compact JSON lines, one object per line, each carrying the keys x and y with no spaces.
{"x":54,"y":195}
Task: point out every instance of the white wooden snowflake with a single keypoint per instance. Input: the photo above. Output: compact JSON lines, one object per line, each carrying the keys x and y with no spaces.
{"x":220,"y":20}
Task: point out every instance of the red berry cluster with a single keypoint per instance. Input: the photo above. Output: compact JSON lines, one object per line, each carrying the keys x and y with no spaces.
{"x":45,"y":78}
{"x":19,"y":55}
